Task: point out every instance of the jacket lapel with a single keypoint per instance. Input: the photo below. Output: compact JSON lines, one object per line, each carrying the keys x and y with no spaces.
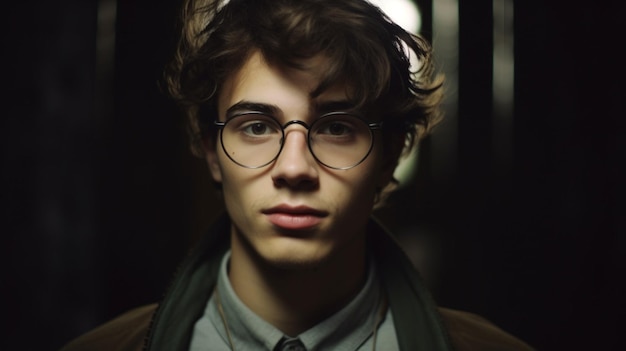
{"x":184,"y":302}
{"x":416,"y":318}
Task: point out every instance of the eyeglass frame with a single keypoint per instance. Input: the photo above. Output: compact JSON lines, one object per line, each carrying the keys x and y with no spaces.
{"x":372,"y":126}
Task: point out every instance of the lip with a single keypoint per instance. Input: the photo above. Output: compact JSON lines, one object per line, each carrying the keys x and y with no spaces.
{"x":294,"y":217}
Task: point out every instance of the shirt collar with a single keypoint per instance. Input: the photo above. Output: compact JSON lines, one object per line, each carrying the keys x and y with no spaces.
{"x":249,"y":331}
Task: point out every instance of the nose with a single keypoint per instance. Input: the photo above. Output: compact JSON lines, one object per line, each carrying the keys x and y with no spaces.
{"x":295,"y":167}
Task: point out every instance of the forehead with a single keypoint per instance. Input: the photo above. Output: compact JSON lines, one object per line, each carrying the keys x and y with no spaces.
{"x":285,"y":87}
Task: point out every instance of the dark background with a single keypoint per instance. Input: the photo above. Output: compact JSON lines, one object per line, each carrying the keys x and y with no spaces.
{"x":101,"y":198}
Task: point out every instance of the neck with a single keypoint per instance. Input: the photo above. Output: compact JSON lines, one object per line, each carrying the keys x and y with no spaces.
{"x":296,"y":299}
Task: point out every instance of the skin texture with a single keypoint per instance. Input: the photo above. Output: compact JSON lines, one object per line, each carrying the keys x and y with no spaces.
{"x":294,"y":278}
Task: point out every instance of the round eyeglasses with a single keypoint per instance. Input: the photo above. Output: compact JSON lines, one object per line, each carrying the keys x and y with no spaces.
{"x":337,"y":140}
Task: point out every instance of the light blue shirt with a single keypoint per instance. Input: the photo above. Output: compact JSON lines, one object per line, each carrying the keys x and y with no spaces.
{"x":350,"y":328}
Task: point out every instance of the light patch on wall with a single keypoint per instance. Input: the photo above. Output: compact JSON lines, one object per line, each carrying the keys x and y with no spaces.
{"x":403,"y":12}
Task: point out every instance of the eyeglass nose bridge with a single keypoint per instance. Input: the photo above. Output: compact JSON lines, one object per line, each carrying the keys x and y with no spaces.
{"x":296,"y":121}
{"x":284,"y":132}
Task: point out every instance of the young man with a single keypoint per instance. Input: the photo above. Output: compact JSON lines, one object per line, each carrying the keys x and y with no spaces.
{"x":302,"y":109}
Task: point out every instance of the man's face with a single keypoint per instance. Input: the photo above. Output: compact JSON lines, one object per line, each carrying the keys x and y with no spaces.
{"x":293,"y":212}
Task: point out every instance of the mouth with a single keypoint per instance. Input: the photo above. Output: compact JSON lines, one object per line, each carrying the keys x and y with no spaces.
{"x":294,"y":217}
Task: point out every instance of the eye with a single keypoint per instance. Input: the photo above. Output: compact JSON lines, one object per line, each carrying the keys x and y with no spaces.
{"x":339,"y":130}
{"x":256,"y":128}
{"x":335,"y":128}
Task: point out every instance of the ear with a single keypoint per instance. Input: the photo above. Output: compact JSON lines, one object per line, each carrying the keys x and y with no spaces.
{"x":210,"y":154}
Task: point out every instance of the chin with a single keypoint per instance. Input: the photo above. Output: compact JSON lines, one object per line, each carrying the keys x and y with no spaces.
{"x":293,"y":264}
{"x":291,"y":255}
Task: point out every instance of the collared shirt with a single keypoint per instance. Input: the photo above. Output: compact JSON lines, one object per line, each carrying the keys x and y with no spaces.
{"x":351,"y":328}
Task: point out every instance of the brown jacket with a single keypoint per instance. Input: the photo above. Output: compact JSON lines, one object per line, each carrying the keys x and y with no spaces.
{"x":468,"y":332}
{"x":419,"y":324}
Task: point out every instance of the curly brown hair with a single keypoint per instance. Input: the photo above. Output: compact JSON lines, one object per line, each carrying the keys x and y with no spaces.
{"x":363,"y":47}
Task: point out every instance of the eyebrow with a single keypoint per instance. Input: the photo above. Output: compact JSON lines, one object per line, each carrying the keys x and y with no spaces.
{"x":248,"y":106}
{"x":324,"y":107}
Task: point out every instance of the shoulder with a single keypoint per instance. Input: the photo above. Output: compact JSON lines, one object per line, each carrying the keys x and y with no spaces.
{"x":125,"y":332}
{"x":469,"y":332}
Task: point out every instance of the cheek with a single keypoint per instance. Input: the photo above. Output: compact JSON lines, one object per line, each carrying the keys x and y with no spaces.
{"x":373,"y":171}
{"x":234,"y":192}
{"x":363,"y":183}
{"x":241,"y":187}
{"x":228,"y":173}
